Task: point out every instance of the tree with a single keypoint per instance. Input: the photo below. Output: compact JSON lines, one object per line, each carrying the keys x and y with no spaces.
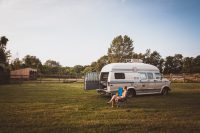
{"x":147,"y":56}
{"x":178,"y":63}
{"x":153,"y":58}
{"x":168,"y":66}
{"x":32,"y":61}
{"x":196,"y":65}
{"x":138,"y":56}
{"x":101,"y":62}
{"x":174,"y":64}
{"x":16,"y":64}
{"x":52,"y":63}
{"x":87,"y":69}
{"x":4,"y":60}
{"x":52,"y":67}
{"x":4,"y":55}
{"x":120,"y":49}
{"x":93,"y":66}
{"x":3,"y":42}
{"x":187,"y":64}
{"x":78,"y":69}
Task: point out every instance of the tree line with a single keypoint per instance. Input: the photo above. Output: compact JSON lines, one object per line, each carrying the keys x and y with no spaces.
{"x":121,"y":49}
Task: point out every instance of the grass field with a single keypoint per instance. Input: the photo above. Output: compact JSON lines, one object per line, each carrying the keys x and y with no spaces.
{"x":50,"y":108}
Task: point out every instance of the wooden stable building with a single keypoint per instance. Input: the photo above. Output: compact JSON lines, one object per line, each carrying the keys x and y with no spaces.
{"x":26,"y":74}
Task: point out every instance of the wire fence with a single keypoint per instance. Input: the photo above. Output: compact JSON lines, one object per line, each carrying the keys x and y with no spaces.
{"x":176,"y":78}
{"x":184,"y":78}
{"x":45,"y":79}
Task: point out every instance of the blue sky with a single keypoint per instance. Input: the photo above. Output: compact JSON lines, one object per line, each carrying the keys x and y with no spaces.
{"x":80,"y":31}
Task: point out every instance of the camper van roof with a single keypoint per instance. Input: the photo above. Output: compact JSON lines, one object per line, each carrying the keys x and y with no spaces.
{"x":129,"y":67}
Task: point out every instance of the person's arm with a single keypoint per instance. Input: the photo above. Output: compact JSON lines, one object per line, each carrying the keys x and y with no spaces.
{"x":124,"y":94}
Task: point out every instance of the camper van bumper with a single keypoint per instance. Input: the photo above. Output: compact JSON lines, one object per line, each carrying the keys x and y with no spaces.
{"x":103,"y":92}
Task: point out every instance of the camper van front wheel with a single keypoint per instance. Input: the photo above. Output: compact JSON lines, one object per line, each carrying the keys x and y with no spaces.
{"x":131,"y":93}
{"x":165,"y":91}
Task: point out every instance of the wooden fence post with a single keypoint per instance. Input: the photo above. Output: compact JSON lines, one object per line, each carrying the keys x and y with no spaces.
{"x":183,"y":77}
{"x":170,"y":76}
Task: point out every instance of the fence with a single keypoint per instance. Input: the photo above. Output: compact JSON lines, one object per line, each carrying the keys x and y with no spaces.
{"x":180,"y":78}
{"x":46,"y":79}
{"x":184,"y":78}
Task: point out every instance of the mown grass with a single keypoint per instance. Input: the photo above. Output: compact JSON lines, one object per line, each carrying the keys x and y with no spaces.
{"x":51,"y":108}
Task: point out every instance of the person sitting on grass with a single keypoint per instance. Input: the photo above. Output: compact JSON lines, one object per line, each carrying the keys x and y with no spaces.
{"x":115,"y":98}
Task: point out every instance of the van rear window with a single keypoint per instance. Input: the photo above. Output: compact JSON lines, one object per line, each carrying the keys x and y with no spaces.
{"x":119,"y":76}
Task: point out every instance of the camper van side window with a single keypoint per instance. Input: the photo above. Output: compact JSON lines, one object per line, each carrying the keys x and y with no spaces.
{"x":119,"y":76}
{"x":150,"y":75}
{"x":143,"y":76}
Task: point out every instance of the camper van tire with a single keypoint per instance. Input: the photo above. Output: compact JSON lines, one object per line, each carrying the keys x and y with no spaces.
{"x":131,"y":93}
{"x":165,"y":91}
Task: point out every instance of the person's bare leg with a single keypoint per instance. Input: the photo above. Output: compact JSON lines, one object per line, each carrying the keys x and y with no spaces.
{"x":112,"y":99}
{"x":113,"y":102}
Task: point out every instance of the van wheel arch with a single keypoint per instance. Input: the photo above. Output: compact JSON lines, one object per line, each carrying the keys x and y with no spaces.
{"x":131,"y":92}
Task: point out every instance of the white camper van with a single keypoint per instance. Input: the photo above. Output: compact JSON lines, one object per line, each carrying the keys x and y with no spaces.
{"x":140,"y":78}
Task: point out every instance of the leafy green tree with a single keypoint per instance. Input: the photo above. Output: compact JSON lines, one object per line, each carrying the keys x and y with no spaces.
{"x":174,"y":64}
{"x":72,"y":72}
{"x":78,"y":69}
{"x":138,"y":56}
{"x":168,"y":66}
{"x":154,"y":58}
{"x":178,"y":63}
{"x":4,"y":60}
{"x":187,"y":64}
{"x":94,"y":66}
{"x":196,"y":65}
{"x":32,"y":61}
{"x":147,"y":55}
{"x":101,"y":62}
{"x":16,"y":64}
{"x":120,"y":49}
{"x":45,"y":69}
{"x":87,"y":69}
{"x":52,"y":67}
{"x":52,"y":63}
{"x":3,"y":42}
{"x":4,"y":55}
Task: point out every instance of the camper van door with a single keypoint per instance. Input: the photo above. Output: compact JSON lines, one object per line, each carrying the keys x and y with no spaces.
{"x":91,"y":81}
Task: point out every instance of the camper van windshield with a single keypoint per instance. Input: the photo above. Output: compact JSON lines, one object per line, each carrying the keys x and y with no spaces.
{"x":104,"y":76}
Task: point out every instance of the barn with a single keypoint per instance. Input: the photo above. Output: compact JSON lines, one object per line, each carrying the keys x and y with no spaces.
{"x":25,"y":73}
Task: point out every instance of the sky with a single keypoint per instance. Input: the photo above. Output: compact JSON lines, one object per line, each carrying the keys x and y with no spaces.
{"x":78,"y":32}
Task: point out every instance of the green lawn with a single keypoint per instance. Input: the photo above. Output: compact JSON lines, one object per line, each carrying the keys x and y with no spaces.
{"x":50,"y":108}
